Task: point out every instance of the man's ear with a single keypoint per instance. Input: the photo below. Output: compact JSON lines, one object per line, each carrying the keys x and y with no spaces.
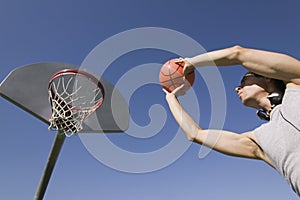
{"x":269,"y":84}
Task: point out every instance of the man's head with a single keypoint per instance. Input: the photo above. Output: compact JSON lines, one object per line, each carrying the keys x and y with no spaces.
{"x":255,"y":89}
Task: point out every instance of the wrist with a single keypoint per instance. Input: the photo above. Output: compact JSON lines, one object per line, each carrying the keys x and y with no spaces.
{"x":190,"y":63}
{"x":171,"y":97}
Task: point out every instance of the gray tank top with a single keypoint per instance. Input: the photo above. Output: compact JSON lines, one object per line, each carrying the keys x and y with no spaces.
{"x":280,"y":138}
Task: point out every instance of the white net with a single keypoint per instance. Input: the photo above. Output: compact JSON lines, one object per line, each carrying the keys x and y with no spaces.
{"x":73,"y":98}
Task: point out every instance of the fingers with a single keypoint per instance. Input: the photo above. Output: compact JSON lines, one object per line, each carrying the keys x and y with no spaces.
{"x":179,"y":91}
{"x":187,"y":68}
{"x":178,"y":60}
{"x":178,"y":88}
{"x":165,"y":91}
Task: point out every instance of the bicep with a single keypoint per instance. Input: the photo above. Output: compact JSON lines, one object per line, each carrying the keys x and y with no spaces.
{"x":271,"y":64}
{"x":229,"y":143}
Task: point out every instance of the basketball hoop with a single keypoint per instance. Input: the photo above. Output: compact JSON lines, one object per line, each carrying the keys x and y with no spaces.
{"x":74,"y":95}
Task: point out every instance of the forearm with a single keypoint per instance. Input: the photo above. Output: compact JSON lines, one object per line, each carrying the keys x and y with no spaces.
{"x":187,"y":124}
{"x":223,"y":57}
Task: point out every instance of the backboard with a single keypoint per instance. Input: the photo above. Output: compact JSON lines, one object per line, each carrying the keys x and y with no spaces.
{"x":27,"y":87}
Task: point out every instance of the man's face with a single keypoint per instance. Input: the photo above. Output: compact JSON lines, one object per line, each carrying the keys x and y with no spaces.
{"x":251,"y":89}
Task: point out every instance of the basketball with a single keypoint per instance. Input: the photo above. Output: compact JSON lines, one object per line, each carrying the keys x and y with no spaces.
{"x":171,"y":76}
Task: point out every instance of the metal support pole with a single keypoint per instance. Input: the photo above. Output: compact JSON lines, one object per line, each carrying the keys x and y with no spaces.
{"x":56,"y":147}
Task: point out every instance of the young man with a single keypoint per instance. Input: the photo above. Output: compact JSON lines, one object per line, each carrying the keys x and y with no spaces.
{"x":272,"y":86}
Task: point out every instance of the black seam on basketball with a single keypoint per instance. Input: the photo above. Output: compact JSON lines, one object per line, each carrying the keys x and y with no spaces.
{"x":173,"y":79}
{"x":178,"y":77}
{"x":170,"y":77}
{"x":175,"y":71}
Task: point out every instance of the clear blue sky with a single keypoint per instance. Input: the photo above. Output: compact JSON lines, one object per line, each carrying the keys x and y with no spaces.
{"x":66,"y":31}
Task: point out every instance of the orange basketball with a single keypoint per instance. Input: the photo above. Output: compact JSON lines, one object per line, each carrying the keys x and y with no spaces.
{"x":171,"y":76}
